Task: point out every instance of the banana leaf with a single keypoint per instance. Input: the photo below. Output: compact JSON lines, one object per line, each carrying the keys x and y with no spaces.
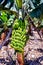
{"x":19,"y":3}
{"x":9,"y":11}
{"x":6,"y":21}
{"x":37,"y":12}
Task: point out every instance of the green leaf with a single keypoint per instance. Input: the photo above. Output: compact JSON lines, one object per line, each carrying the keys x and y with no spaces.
{"x":4,"y":17}
{"x":19,"y":3}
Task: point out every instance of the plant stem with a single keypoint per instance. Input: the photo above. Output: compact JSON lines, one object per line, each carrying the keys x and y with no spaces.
{"x":20,"y":58}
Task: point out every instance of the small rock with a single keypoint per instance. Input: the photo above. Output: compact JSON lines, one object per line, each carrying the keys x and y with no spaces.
{"x":41,"y":62}
{"x":33,"y":56}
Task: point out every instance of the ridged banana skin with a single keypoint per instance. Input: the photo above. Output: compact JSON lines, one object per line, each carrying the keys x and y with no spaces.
{"x":18,"y":40}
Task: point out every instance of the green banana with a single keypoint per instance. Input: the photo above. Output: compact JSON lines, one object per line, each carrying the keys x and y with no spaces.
{"x":18,"y":38}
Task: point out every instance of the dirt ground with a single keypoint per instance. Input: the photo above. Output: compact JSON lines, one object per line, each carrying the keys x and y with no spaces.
{"x":34,"y":49}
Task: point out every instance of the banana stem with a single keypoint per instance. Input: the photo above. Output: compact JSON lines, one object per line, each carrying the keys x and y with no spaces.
{"x":20,"y":58}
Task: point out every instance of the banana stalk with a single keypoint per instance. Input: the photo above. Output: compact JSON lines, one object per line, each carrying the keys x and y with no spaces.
{"x":19,"y":3}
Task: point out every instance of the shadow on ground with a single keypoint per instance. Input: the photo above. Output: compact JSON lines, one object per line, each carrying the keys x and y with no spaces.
{"x":34,"y":62}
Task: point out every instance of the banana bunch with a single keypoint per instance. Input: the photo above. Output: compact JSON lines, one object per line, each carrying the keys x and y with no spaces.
{"x":18,"y":38}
